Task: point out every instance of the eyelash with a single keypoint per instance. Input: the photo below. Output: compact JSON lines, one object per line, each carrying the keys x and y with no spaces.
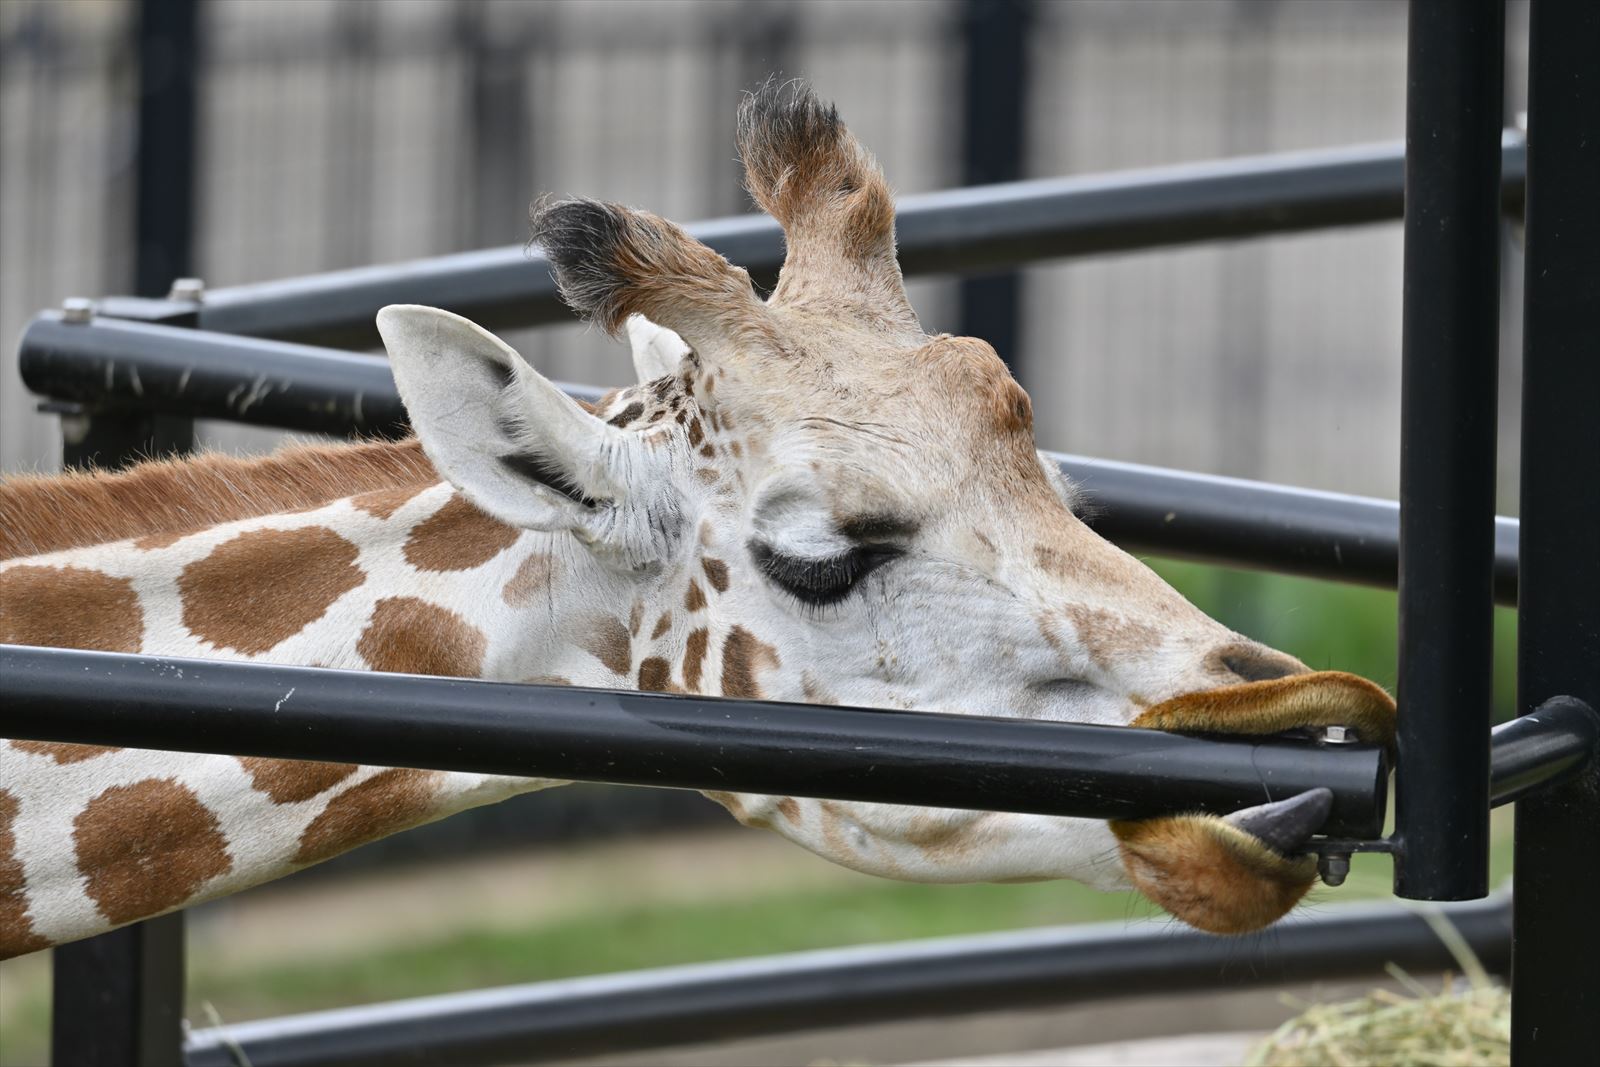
{"x":820,"y":582}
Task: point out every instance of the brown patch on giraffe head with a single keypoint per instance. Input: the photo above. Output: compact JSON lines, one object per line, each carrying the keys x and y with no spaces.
{"x":383,"y":503}
{"x":457,"y":537}
{"x":288,"y":781}
{"x":1110,"y":637}
{"x":147,"y":848}
{"x":262,"y":587}
{"x":635,"y":618}
{"x":69,"y":607}
{"x":693,"y":598}
{"x":533,"y":577}
{"x":814,"y":691}
{"x":390,"y":801}
{"x":694,"y":658}
{"x":156,"y":503}
{"x":63,"y":753}
{"x":943,"y":837}
{"x":663,"y":624}
{"x":608,"y":641}
{"x":407,"y":635}
{"x":790,"y":809}
{"x":655,"y":675}
{"x":744,"y":656}
{"x":17,"y":935}
{"x":696,"y":433}
{"x":716,"y":573}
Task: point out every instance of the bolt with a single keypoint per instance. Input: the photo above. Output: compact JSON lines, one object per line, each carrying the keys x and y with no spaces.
{"x":1338,"y":735}
{"x":1333,"y":867}
{"x":77,"y":309}
{"x":192,"y":290}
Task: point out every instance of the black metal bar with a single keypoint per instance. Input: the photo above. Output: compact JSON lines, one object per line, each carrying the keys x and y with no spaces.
{"x":1149,"y":509}
{"x":1447,"y":446}
{"x":953,"y":231}
{"x":164,"y":187}
{"x":607,"y":735}
{"x":118,"y":997}
{"x":1555,"y":982}
{"x":1259,"y":525}
{"x":194,"y":373}
{"x":1541,"y":749}
{"x":612,"y":1014}
{"x":995,"y":85}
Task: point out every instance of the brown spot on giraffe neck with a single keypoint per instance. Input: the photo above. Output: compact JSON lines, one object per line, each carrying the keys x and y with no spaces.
{"x":63,"y":753}
{"x":533,"y":577}
{"x":383,"y":503}
{"x":389,"y":801}
{"x":694,"y":658}
{"x":743,"y":657}
{"x":663,"y":624}
{"x":16,"y":928}
{"x":288,"y":781}
{"x":790,"y":809}
{"x":146,"y":848}
{"x":457,"y":537}
{"x":69,"y":607}
{"x":716,"y":573}
{"x":411,"y":636}
{"x":607,"y":640}
{"x":261,"y":588}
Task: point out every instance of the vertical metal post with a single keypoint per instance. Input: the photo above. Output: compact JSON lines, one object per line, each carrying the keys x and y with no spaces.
{"x":1455,"y":63}
{"x":1555,"y":972}
{"x":995,"y":110}
{"x":118,"y":998}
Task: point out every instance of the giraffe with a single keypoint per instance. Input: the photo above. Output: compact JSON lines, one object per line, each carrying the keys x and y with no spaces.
{"x":805,"y":498}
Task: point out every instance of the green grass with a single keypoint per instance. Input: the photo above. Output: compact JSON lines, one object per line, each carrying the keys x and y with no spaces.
{"x":656,"y":936}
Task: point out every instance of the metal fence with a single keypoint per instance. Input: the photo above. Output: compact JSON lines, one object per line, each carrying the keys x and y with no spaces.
{"x":118,"y":997}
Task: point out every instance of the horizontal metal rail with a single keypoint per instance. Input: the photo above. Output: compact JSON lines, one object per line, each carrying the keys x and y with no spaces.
{"x":1149,"y":509}
{"x":612,"y":1014}
{"x":955,"y":230}
{"x":686,"y":742}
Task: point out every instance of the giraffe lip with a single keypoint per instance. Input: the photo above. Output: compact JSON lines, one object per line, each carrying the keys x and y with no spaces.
{"x":1300,"y":705}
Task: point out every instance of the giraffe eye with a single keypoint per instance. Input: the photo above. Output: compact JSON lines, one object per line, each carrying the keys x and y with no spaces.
{"x":820,"y":582}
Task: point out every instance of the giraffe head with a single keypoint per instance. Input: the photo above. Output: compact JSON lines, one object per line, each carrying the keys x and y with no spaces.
{"x":813,"y":499}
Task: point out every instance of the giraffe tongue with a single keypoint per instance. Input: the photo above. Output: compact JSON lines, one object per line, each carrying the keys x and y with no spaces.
{"x":1285,"y":825}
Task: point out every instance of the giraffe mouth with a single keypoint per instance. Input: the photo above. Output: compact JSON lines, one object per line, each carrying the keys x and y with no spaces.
{"x":1237,"y":873}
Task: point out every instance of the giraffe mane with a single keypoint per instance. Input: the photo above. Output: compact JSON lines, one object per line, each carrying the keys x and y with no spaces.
{"x":53,"y":513}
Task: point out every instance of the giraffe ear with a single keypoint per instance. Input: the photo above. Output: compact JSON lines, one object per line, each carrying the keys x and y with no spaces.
{"x":657,"y":351}
{"x":518,"y":447}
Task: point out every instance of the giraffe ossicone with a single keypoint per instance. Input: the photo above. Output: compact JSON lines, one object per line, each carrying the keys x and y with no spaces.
{"x":804,"y":498}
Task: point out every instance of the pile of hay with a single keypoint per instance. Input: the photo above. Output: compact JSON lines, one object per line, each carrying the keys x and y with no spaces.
{"x":1467,"y":1024}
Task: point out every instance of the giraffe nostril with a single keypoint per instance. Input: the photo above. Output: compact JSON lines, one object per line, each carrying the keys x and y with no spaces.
{"x":1260,"y":664}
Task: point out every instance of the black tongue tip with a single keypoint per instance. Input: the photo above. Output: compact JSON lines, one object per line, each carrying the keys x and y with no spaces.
{"x":1285,"y":825}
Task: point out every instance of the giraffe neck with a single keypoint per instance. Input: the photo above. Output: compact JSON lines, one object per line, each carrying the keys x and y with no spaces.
{"x":403,"y":578}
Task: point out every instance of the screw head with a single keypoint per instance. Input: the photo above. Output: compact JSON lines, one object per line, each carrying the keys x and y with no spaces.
{"x":1333,"y":867}
{"x":192,"y":290}
{"x":77,"y":309}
